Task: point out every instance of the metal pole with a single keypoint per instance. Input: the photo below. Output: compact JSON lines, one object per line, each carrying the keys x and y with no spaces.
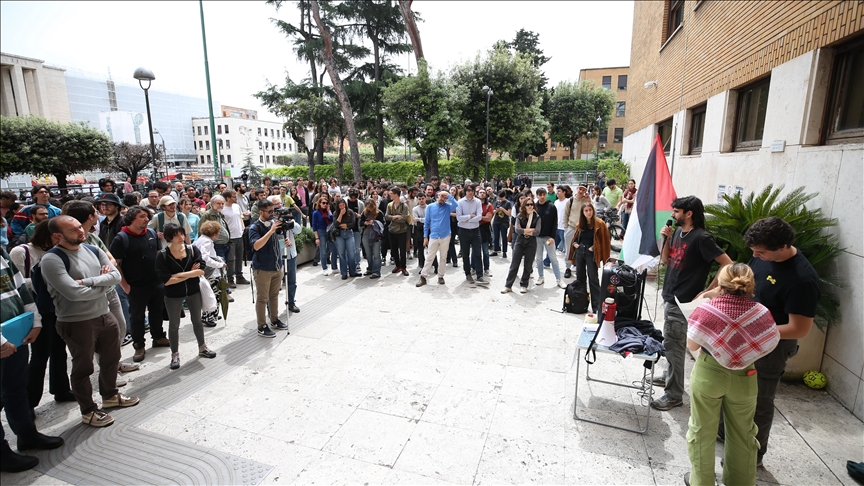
{"x":150,"y":123}
{"x":488,"y":95}
{"x":217,"y":174}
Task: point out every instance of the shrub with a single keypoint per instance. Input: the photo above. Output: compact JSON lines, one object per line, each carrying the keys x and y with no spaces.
{"x":394,"y":171}
{"x":615,"y":169}
{"x":556,"y":166}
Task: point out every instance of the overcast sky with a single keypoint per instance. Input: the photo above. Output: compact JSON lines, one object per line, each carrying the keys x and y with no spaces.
{"x":245,"y":49}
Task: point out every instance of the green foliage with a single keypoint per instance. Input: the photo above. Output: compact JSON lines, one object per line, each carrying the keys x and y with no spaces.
{"x":728,"y":222}
{"x":556,"y":166}
{"x":251,"y":170}
{"x":610,"y":154}
{"x":398,"y":171}
{"x":574,"y":110}
{"x":615,"y":169}
{"x":34,"y":145}
{"x":306,"y":237}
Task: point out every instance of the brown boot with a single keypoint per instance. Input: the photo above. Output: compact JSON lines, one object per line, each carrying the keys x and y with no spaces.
{"x":162,"y":342}
{"x":140,"y":352}
{"x":422,"y":281}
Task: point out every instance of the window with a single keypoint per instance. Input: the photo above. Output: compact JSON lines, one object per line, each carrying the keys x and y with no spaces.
{"x":697,"y":129}
{"x":260,"y":145}
{"x":607,"y":82}
{"x":199,"y":130}
{"x":229,"y":158}
{"x":266,"y":145}
{"x":620,"y":107}
{"x":219,"y":129}
{"x":219,"y":142}
{"x":845,"y":113}
{"x":622,"y":82}
{"x":221,"y":159}
{"x":265,"y":132}
{"x":750,"y":115}
{"x":289,"y":147}
{"x":261,"y":159}
{"x":226,"y":129}
{"x":227,"y":142}
{"x":267,"y":158}
{"x":207,"y":144}
{"x":208,"y":159}
{"x":200,"y":144}
{"x":202,"y":159}
{"x":541,"y":158}
{"x":206,"y":130}
{"x":554,"y":145}
{"x":283,"y":133}
{"x":553,"y":158}
{"x":259,"y":130}
{"x":619,"y":135}
{"x":675,"y":15}
{"x":664,"y":129}
{"x":602,"y":137}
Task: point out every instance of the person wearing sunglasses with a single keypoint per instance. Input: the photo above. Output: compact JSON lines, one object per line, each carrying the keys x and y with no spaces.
{"x":528,"y":227}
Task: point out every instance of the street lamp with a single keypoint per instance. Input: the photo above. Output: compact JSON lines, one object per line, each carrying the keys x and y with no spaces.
{"x":143,"y":74}
{"x":488,"y":92}
{"x":599,"y":120}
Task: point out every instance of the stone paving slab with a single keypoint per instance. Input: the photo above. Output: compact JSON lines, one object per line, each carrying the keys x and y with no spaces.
{"x":383,"y":383}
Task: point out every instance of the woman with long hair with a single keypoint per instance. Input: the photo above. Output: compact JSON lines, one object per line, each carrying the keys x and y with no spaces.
{"x":733,"y":332}
{"x":598,"y":200}
{"x":190,"y":212}
{"x":321,"y":218}
{"x":590,"y":249}
{"x":208,"y":232}
{"x":345,"y":219}
{"x":625,"y":204}
{"x":527,"y":228}
{"x":179,"y":267}
{"x":371,"y":238}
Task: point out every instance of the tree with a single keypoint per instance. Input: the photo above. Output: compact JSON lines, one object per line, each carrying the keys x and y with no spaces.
{"x":131,"y":159}
{"x":410,"y":19}
{"x":574,"y":109}
{"x":34,"y":145}
{"x":251,"y":169}
{"x":426,"y":112}
{"x":527,"y":43}
{"x":514,"y":109}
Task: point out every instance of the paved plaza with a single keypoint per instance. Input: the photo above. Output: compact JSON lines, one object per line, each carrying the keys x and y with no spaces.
{"x":383,"y":383}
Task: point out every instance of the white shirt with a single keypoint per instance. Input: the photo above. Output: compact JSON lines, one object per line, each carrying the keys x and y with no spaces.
{"x":234,"y":218}
{"x":560,"y":206}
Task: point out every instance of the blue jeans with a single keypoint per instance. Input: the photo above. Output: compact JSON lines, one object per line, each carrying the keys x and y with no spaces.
{"x":559,"y":239}
{"x":322,"y":248}
{"x":124,"y":304}
{"x":373,"y":252}
{"x":358,"y":242}
{"x":499,"y":230}
{"x":345,"y":248}
{"x":625,"y":218}
{"x":550,"y":255}
{"x":291,"y":278}
{"x":471,"y":244}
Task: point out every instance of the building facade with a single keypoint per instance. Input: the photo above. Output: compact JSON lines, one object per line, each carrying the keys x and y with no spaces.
{"x":614,"y":79}
{"x":29,"y":87}
{"x":749,"y":94}
{"x":239,"y":137}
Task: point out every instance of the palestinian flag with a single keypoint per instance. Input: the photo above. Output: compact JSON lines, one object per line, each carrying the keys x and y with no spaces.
{"x":651,"y":210}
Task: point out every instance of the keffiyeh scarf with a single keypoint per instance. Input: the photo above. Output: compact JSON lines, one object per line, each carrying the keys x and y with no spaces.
{"x":734,"y":329}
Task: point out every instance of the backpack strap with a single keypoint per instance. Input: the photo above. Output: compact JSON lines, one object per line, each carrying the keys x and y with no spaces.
{"x":26,"y":262}
{"x":160,"y":219}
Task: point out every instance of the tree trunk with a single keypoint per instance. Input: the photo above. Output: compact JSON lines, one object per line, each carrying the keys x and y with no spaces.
{"x":413,"y":32}
{"x":379,"y":115}
{"x":319,"y":145}
{"x":61,"y":182}
{"x":310,"y":153}
{"x":340,"y":163}
{"x":347,"y":112}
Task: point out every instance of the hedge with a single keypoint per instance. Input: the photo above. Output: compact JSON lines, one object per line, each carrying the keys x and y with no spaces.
{"x":394,"y":171}
{"x":556,"y":166}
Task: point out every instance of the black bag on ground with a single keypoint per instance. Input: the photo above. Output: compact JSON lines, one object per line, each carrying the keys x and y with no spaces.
{"x":576,"y":297}
{"x":626,"y":286}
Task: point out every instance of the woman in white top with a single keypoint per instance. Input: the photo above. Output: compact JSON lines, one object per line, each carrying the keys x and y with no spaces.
{"x":599,"y":201}
{"x":48,"y":344}
{"x":209,"y":231}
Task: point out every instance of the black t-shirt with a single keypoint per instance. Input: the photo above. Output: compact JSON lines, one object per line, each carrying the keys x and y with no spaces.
{"x":690,"y":258}
{"x":787,"y":287}
{"x":505,"y":206}
{"x":586,"y":238}
{"x":549,"y":215}
{"x":138,"y":257}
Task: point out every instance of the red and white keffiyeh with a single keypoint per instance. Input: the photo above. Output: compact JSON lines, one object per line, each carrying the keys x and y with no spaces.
{"x":734,"y":329}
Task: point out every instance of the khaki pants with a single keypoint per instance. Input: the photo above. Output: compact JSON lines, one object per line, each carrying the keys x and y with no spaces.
{"x":267,"y":285}
{"x":100,"y":335}
{"x":440,"y":246}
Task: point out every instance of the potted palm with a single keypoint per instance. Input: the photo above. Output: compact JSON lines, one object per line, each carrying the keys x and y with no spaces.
{"x":728,"y":222}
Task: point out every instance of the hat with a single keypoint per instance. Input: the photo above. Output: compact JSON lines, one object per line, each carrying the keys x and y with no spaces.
{"x":110,"y":198}
{"x":166,"y":200}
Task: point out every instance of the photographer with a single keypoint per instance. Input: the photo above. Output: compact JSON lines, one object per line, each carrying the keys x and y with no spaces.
{"x":267,"y":271}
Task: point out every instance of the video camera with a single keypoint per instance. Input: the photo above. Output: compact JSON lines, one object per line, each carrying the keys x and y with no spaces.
{"x":286,"y":217}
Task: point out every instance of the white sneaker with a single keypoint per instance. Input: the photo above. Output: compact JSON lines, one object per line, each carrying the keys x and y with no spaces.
{"x":539,"y":281}
{"x":561,"y":284}
{"x":523,"y":290}
{"x":121,"y":381}
{"x":327,"y":272}
{"x":506,"y":290}
{"x":487,"y":274}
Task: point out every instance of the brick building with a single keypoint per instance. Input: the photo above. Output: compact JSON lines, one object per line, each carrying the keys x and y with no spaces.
{"x":746,"y":94}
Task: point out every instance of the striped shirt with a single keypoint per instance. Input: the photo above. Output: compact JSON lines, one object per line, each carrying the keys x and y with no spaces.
{"x":15,"y":297}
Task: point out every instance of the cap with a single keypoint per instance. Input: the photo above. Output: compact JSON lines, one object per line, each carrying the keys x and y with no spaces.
{"x":166,"y":200}
{"x":110,"y":198}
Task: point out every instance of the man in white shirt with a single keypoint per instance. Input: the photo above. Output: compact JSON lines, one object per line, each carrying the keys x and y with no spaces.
{"x":234,"y":217}
{"x":469,"y":212}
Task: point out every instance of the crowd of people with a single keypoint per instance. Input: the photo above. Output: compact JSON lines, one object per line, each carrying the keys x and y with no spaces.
{"x":116,"y":266}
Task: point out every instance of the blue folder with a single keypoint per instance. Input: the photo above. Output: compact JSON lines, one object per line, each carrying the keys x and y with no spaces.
{"x":17,"y":328}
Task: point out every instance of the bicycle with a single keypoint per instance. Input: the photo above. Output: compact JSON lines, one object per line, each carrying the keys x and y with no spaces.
{"x":616,"y":231}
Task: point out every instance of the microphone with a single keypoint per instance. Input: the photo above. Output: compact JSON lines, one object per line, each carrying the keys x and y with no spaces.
{"x":669,"y":224}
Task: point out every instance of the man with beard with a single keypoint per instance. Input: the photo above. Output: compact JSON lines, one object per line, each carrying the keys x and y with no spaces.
{"x":109,"y":206}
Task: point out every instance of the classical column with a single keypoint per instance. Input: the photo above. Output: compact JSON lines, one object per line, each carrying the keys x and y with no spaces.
{"x":21,"y":104}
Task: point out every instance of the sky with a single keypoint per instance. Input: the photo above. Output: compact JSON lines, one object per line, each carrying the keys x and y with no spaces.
{"x":246,"y":50}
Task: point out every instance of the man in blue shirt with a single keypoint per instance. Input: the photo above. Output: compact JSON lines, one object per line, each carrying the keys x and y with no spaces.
{"x":436,"y":235}
{"x":267,"y":269}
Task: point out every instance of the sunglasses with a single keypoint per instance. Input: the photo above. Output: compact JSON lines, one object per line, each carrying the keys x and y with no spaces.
{"x":529,"y":204}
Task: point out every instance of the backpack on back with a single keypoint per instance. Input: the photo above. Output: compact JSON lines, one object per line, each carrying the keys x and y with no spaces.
{"x":44,"y":301}
{"x":576,"y":297}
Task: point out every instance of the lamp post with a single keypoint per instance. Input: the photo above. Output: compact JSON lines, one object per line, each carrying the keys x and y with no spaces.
{"x":599,"y":120}
{"x":488,"y":92}
{"x":143,"y":74}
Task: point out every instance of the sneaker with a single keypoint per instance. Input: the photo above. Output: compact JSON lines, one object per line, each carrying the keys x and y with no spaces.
{"x":440,"y":280}
{"x":230,"y":299}
{"x":482,"y":281}
{"x":568,"y":273}
{"x":687,"y":479}
{"x":231,"y":284}
{"x":210,"y":323}
{"x":539,"y":281}
{"x":266,"y":332}
{"x":404,"y":272}
{"x":293,"y":308}
{"x":278,"y":324}
{"x":375,"y":275}
{"x":241,"y":280}
{"x":97,"y":419}
{"x":504,"y":255}
{"x":139,"y":354}
{"x":315,"y":263}
{"x":120,"y":400}
{"x":421,"y":282}
{"x":561,"y":284}
{"x":506,"y":290}
{"x":344,"y":277}
{"x":357,"y":269}
{"x":455,"y":265}
{"x":205,"y":352}
{"x":175,"y":361}
{"x":469,"y":279}
{"x":473,"y":273}
{"x":487,"y":274}
{"x":126,"y":339}
{"x":523,"y":290}
{"x":121,"y":381}
{"x":395,"y":270}
{"x":659,"y":381}
{"x":494,"y":253}
{"x":162,"y":342}
{"x":127,"y":367}
{"x":324,"y":272}
{"x":665,"y":403}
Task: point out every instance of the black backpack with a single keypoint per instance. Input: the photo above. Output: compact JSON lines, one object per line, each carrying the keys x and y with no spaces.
{"x":576,"y":297}
{"x":44,"y":301}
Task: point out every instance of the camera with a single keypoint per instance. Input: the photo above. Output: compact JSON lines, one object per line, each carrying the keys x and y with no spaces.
{"x":286,"y":217}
